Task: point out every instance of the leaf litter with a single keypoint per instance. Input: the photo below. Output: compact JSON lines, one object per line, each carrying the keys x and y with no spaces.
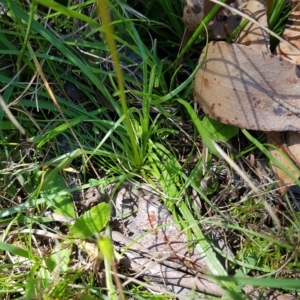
{"x":250,"y":88}
{"x":153,"y":246}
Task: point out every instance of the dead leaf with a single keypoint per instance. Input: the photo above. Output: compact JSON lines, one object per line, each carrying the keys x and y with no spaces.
{"x":291,"y":145}
{"x":160,"y":269}
{"x":276,"y":138}
{"x":90,"y":248}
{"x":150,"y":217}
{"x":239,"y":87}
{"x":223,"y":24}
{"x":292,"y":35}
{"x":155,"y":253}
{"x":192,"y":13}
{"x":288,"y":142}
{"x":254,"y":294}
{"x":252,"y":35}
{"x":192,"y":17}
{"x":248,"y":88}
{"x":160,"y":239}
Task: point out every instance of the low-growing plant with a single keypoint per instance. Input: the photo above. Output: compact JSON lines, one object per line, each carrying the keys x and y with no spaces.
{"x":93,"y":86}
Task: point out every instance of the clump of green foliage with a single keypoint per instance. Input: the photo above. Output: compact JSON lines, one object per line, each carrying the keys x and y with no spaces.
{"x":100,"y":98}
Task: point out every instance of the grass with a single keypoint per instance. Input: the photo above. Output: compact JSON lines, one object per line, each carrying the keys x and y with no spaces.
{"x":82,"y":132}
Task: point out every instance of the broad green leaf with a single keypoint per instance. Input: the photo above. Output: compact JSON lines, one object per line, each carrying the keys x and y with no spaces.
{"x":219,"y":131}
{"x":91,"y":222}
{"x":55,"y":192}
{"x":250,"y":260}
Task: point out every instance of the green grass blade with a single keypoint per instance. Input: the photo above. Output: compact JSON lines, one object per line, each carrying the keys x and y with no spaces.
{"x":15,"y":250}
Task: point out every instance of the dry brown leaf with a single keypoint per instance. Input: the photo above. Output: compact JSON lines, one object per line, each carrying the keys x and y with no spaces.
{"x":225,"y":22}
{"x":160,"y":269}
{"x":292,"y":35}
{"x":252,"y":35}
{"x":291,"y":146}
{"x":156,"y":254}
{"x":192,"y":17}
{"x":254,"y":294}
{"x":248,"y":88}
{"x":288,"y":142}
{"x":150,"y":223}
{"x":150,"y":215}
{"x":256,"y":97}
{"x":276,"y":138}
{"x":91,"y":249}
{"x":192,"y":13}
